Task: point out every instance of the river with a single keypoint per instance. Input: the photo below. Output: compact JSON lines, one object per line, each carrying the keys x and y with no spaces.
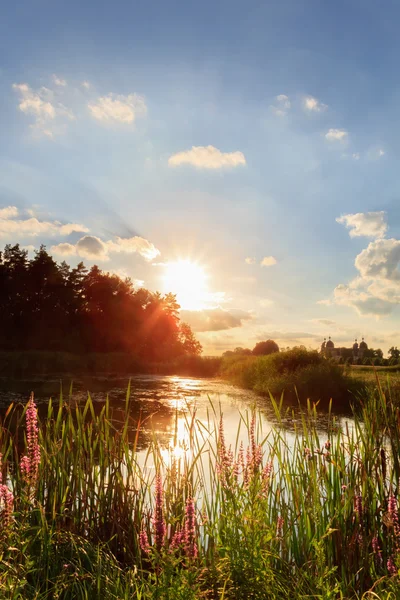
{"x":161,"y":407}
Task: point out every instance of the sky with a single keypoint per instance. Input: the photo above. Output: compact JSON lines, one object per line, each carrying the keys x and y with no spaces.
{"x":243,"y":155}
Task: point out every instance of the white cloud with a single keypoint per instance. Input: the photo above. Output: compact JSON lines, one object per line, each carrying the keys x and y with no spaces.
{"x":364,"y":302}
{"x":313,"y":105}
{"x":134,"y":245}
{"x":326,"y":302}
{"x":356,"y":155}
{"x":86,"y":85}
{"x":283,"y":105}
{"x":380,"y":260}
{"x":376,"y":290}
{"x":118,"y":108}
{"x":215,"y":319}
{"x":207,"y":157}
{"x":58,"y":81}
{"x":250,"y":260}
{"x":11,"y":226}
{"x":92,"y":247}
{"x":268,"y":261}
{"x":336,"y":135}
{"x":284,"y":101}
{"x":49,"y":116}
{"x":8,"y":212}
{"x":370,"y":224}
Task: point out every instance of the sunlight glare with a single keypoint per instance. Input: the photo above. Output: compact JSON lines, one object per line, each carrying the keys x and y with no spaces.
{"x":188,"y":281}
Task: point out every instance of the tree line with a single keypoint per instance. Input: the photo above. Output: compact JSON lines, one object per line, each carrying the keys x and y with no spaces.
{"x":49,"y":306}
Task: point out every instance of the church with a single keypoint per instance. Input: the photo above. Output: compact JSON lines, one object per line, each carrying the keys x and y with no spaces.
{"x":356,"y":352}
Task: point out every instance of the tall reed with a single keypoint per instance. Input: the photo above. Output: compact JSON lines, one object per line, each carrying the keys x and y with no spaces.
{"x":316,"y":517}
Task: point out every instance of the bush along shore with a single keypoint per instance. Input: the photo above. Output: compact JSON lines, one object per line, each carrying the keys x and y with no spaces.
{"x":83,"y":515}
{"x":298,"y":374}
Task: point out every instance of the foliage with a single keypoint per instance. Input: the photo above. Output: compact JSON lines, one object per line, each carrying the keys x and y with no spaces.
{"x":316,"y":517}
{"x":298,"y":373}
{"x":267,"y":347}
{"x":50,"y":307}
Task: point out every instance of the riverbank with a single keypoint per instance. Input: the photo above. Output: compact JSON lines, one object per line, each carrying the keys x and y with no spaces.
{"x":83,"y":517}
{"x":38,"y":365}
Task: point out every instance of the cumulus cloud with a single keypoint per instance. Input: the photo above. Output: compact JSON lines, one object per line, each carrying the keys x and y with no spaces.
{"x":58,"y":81}
{"x":282,"y":105}
{"x":376,"y":289}
{"x":116,"y":108}
{"x":92,"y":247}
{"x":250,"y":260}
{"x":49,"y":115}
{"x":336,"y":135}
{"x":370,"y":224}
{"x":268,"y":261}
{"x":10,"y":225}
{"x":362,"y":300}
{"x":215,"y":319}
{"x":8,"y":212}
{"x":207,"y":157}
{"x":311,"y":104}
{"x":86,"y":85}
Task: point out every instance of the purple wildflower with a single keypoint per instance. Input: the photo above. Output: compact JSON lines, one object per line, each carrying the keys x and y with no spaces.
{"x":279,"y":526}
{"x":393,"y":512}
{"x":190,"y":529}
{"x":358,"y":507}
{"x":144,"y":542}
{"x":376,"y":549}
{"x":177,"y":540}
{"x":266,"y":477}
{"x":7,"y":501}
{"x":30,"y":462}
{"x":391,"y":567}
{"x":158,"y":518}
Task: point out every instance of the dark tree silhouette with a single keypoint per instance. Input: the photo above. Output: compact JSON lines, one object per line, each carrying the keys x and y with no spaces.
{"x":49,"y":306}
{"x":267,"y":347}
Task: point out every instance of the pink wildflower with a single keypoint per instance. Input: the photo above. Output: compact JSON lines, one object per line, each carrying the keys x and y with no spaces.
{"x":6,"y":501}
{"x":190,"y":529}
{"x":144,"y":542}
{"x":177,"y":540}
{"x":391,"y":567}
{"x":266,"y":477}
{"x":393,"y":512}
{"x":158,"y":518}
{"x":279,"y":526}
{"x":30,"y":462}
{"x":376,"y":549}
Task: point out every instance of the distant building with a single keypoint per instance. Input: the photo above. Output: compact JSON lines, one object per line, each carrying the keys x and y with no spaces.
{"x":356,"y":352}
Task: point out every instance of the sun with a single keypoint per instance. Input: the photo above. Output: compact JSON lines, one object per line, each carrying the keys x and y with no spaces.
{"x":188,"y":281}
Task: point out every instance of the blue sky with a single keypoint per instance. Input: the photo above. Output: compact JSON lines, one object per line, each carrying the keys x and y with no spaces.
{"x":214,"y":132}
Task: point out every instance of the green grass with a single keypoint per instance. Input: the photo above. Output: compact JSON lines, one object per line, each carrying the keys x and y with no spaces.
{"x":283,"y":519}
